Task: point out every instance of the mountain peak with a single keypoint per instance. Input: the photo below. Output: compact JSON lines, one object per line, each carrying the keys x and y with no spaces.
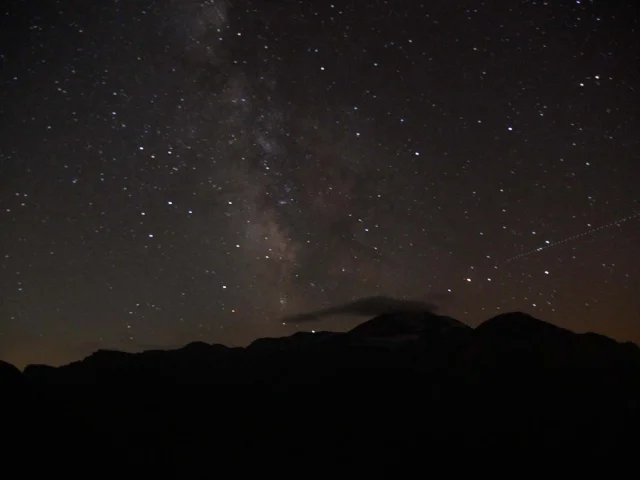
{"x":518,"y":324}
{"x":405,"y":323}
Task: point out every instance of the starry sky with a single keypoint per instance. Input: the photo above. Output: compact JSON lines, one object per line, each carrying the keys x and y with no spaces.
{"x":190,"y":170}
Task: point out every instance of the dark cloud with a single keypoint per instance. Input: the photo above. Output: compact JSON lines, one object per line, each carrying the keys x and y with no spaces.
{"x":369,"y":306}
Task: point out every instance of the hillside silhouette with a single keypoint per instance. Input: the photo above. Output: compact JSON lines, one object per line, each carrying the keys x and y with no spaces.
{"x":403,"y":387}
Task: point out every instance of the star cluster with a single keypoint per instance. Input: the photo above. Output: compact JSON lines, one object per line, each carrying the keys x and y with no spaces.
{"x":198,"y":170}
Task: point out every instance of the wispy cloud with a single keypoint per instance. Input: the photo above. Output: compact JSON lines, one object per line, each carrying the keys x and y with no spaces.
{"x":369,"y":306}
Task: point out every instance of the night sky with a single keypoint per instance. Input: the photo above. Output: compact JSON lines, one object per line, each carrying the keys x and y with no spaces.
{"x":174,"y":171}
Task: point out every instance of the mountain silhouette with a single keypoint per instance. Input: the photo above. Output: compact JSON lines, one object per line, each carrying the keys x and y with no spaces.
{"x":406,"y":323}
{"x":405,"y":382}
{"x":9,"y":375}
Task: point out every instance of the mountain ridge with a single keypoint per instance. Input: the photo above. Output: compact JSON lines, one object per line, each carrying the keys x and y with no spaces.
{"x":407,"y":331}
{"x":401,"y":388}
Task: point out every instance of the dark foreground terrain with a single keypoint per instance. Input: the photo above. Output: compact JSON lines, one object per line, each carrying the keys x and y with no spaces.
{"x":399,"y":390}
